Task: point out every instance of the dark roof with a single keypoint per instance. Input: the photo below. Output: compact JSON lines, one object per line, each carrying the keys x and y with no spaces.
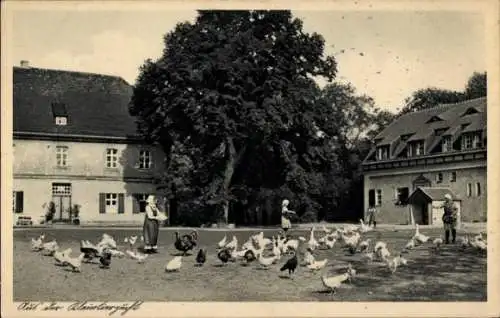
{"x":420,"y":127}
{"x":433,"y":193}
{"x":96,"y":105}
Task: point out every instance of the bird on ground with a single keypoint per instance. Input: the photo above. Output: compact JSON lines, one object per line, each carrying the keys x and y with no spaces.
{"x":105,"y":258}
{"x":201,"y":257}
{"x":224,"y":256}
{"x":185,"y":243}
{"x":174,"y":264}
{"x":290,"y":265}
{"x":75,"y":263}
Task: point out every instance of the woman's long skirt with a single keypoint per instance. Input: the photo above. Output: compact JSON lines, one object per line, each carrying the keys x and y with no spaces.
{"x":151,"y":229}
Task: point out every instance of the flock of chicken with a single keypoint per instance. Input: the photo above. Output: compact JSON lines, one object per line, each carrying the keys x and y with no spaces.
{"x":253,"y":250}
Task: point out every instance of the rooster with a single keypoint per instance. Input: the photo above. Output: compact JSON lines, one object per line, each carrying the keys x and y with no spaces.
{"x":187,"y":242}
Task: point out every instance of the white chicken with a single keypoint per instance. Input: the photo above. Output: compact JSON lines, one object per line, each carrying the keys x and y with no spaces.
{"x":437,"y":242}
{"x":61,"y":257}
{"x":49,"y":248}
{"x":308,"y":257}
{"x":139,"y":257}
{"x":419,"y":237}
{"x":75,"y":263}
{"x":222,"y":242}
{"x":174,"y":264}
{"x":37,"y":244}
{"x":396,"y":262}
{"x":266,"y":261}
{"x":233,"y":245}
{"x":317,"y":265}
{"x":383,"y":253}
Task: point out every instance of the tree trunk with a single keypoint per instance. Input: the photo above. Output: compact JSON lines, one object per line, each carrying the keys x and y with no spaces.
{"x":233,"y":160}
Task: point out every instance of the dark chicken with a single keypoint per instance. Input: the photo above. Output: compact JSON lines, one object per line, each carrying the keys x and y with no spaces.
{"x":185,"y":243}
{"x":290,"y":265}
{"x":105,"y":259}
{"x":224,"y":255}
{"x":249,"y":256}
{"x":201,"y":257}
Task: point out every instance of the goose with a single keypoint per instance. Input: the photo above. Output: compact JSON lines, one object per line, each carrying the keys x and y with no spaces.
{"x":419,"y":237}
{"x":334,"y":282}
{"x":313,"y":244}
{"x":222,"y":243}
{"x":363,"y":227}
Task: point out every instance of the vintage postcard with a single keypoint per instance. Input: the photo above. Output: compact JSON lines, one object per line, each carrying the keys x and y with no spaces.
{"x":262,"y":159}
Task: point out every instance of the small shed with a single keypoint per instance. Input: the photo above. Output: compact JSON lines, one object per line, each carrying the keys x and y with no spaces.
{"x":425,"y":205}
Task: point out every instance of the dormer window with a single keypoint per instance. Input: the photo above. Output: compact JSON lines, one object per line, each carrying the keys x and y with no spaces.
{"x":434,"y":119}
{"x":446,"y":144}
{"x":470,"y":111}
{"x":416,"y":148}
{"x":61,"y":121}
{"x":471,"y":141}
{"x":60,"y":114}
{"x":382,"y":152}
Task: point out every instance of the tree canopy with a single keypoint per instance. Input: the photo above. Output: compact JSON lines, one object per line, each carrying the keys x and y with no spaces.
{"x":233,"y":101}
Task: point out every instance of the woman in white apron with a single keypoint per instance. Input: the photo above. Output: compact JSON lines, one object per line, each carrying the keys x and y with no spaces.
{"x":285,"y":216}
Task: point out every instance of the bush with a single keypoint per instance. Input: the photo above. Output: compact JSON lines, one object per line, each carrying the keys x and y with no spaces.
{"x":308,"y":217}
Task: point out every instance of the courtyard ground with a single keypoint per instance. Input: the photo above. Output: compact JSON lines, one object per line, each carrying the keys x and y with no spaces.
{"x":450,"y":275}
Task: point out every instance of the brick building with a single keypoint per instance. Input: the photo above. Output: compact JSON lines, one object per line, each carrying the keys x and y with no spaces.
{"x":423,"y":155}
{"x":76,"y":144}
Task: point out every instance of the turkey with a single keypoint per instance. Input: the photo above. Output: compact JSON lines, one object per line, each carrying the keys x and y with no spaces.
{"x":185,"y":243}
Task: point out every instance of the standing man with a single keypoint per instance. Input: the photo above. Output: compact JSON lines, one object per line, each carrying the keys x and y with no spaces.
{"x":449,"y":219}
{"x":371,"y":216}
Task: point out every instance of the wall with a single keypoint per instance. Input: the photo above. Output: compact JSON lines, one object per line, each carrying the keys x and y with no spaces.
{"x":35,"y":170}
{"x":473,"y":208}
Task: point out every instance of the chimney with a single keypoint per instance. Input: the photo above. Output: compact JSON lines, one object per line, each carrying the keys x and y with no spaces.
{"x":25,"y":64}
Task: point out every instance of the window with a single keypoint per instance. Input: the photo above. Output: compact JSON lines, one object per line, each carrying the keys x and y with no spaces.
{"x":446,"y":144}
{"x":478,"y":189}
{"x":379,"y":198}
{"x":453,"y":176}
{"x":402,"y":195}
{"x":61,"y":121}
{"x":140,"y":203}
{"x":383,"y":153}
{"x":17,"y":201}
{"x":371,"y":197}
{"x":471,"y":141}
{"x":62,"y":156}
{"x":144,"y":159}
{"x":111,"y":203}
{"x":439,"y":178}
{"x":469,"y":189}
{"x":416,"y":149}
{"x":111,"y":158}
{"x":61,"y":189}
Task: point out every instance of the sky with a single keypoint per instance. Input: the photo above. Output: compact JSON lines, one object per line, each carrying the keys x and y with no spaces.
{"x":386,"y":54}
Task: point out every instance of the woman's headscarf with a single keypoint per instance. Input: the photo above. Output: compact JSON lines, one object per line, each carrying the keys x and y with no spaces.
{"x":447,"y":197}
{"x":285,"y":202}
{"x":151,"y":200}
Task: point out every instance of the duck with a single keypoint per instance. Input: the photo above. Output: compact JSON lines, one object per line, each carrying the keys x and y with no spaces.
{"x":419,"y":237}
{"x":224,"y":256}
{"x":201,"y":257}
{"x":174,"y":264}
{"x":334,"y":282}
{"x":317,"y":265}
{"x":186,"y":243}
{"x":290,"y":265}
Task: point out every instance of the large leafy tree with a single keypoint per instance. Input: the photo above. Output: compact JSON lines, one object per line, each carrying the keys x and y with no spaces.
{"x":232,"y":100}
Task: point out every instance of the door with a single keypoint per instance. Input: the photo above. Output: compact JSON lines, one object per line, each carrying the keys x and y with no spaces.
{"x":425,"y":214}
{"x":61,"y":196}
{"x":437,"y":213}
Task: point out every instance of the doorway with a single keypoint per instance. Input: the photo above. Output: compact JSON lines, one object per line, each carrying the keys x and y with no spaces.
{"x":61,"y":196}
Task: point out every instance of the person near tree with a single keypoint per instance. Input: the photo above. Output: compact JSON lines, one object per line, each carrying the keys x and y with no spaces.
{"x":449,"y":219}
{"x":286,"y":224}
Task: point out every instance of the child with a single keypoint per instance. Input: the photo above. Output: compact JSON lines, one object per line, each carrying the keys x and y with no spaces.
{"x":151,"y":227}
{"x":285,"y":216}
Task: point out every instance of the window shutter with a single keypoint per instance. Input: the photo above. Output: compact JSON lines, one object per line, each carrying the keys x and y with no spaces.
{"x":121,"y":203}
{"x":136,"y":205}
{"x":19,"y":201}
{"x":102,"y":203}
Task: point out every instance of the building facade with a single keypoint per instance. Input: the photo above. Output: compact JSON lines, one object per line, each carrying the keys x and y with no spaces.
{"x":75,"y":145}
{"x":423,"y":155}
